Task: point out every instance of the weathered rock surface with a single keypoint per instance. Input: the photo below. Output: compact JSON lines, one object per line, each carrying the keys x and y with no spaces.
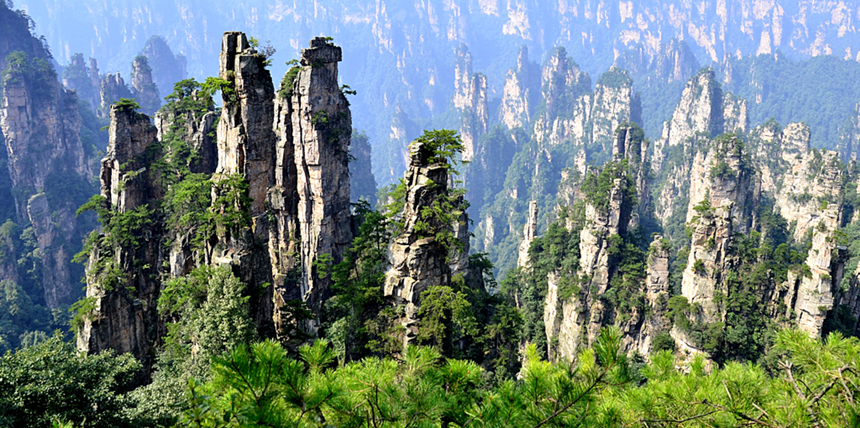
{"x":41,"y":125}
{"x":321,"y":126}
{"x":111,"y":89}
{"x":292,"y":154}
{"x":124,"y":316}
{"x":815,"y":292}
{"x":418,"y":261}
{"x":470,"y":97}
{"x":144,"y":89}
{"x":521,"y":92}
{"x":529,"y":234}
{"x":77,"y":75}
{"x":710,"y":258}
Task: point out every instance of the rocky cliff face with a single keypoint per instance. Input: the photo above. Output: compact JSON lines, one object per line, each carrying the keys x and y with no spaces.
{"x":725,"y":173}
{"x":122,"y":288}
{"x":573,"y":123}
{"x":77,"y":75}
{"x":608,"y":220}
{"x":111,"y":89}
{"x":41,"y":125}
{"x":144,"y":89}
{"x":614,"y":103}
{"x":322,"y":126}
{"x":703,"y":112}
{"x":814,"y":292}
{"x":280,"y":162}
{"x":470,"y":98}
{"x":521,"y":92}
{"x":802,"y":182}
{"x":529,"y":234}
{"x":418,"y":261}
{"x":565,"y":88}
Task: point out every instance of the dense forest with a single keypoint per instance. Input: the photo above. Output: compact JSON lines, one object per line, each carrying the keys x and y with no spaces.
{"x":663,"y":244}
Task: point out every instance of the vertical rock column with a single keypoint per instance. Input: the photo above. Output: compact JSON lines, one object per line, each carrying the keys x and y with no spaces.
{"x":529,"y":234}
{"x":417,"y":262}
{"x":124,"y":317}
{"x":522,"y":86}
{"x":284,"y":242}
{"x":470,"y":98}
{"x":321,"y":131}
{"x":246,"y":148}
{"x":246,"y":142}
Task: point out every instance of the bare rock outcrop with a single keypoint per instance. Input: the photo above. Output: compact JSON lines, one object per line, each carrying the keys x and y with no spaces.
{"x":111,"y":89}
{"x":41,"y":124}
{"x":321,"y":131}
{"x":614,"y":103}
{"x":418,"y":261}
{"x":470,"y":98}
{"x":813,"y":293}
{"x":710,"y":258}
{"x":121,"y":285}
{"x":144,"y":89}
{"x":521,"y":91}
{"x":529,"y":234}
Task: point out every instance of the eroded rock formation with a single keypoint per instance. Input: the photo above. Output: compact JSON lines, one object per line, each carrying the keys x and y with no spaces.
{"x":122,"y":270}
{"x":418,"y":261}
{"x":41,"y":124}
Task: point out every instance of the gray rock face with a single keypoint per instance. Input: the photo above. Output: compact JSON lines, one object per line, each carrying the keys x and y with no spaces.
{"x":418,"y":261}
{"x":198,"y":130}
{"x":584,"y":313}
{"x":284,"y":241}
{"x":291,"y":152}
{"x":321,"y":131}
{"x":470,"y":98}
{"x":124,"y":317}
{"x":111,"y":89}
{"x":703,"y":112}
{"x":77,"y":76}
{"x":521,"y":91}
{"x":246,"y":141}
{"x":145,"y":90}
{"x":709,"y":259}
{"x":703,"y":109}
{"x":41,"y":124}
{"x":724,"y":173}
{"x":529,"y":234}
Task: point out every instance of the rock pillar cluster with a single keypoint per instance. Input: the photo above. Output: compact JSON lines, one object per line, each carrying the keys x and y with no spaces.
{"x":285,"y":153}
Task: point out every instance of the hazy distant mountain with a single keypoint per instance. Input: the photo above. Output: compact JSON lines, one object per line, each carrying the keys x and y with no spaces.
{"x":402,"y":53}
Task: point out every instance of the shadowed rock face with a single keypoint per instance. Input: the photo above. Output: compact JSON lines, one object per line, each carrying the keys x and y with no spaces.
{"x":246,"y":141}
{"x":124,"y":317}
{"x":40,"y":123}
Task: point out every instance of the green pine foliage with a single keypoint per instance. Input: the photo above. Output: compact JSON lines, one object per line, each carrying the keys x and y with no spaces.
{"x":50,"y":382}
